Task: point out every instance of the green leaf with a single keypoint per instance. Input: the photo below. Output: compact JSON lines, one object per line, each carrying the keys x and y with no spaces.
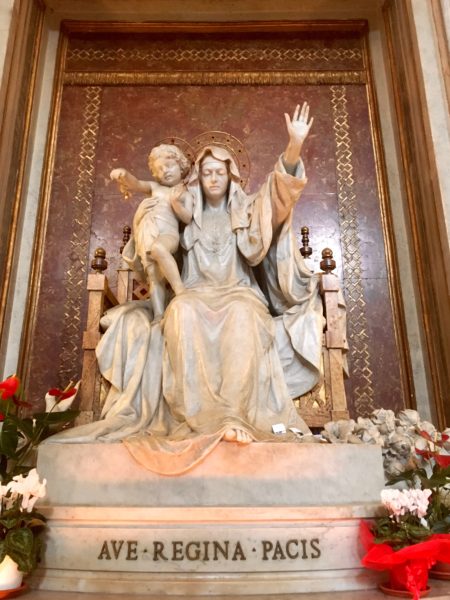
{"x":2,"y":550}
{"x":435,"y":481}
{"x":23,"y":425}
{"x":21,"y":548}
{"x":407,"y":476}
{"x":10,"y":522}
{"x":56,"y":418}
{"x":441,"y":527}
{"x":9,"y":438}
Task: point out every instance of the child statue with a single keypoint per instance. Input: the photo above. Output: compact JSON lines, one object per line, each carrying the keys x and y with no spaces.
{"x":156,"y":222}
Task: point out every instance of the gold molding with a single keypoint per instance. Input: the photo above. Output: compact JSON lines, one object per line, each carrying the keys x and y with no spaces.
{"x":217,"y":78}
{"x":390,"y":250}
{"x":341,"y":26}
{"x":20,"y":73}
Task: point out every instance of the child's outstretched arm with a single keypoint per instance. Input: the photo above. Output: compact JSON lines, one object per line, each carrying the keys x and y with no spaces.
{"x":129,"y":183}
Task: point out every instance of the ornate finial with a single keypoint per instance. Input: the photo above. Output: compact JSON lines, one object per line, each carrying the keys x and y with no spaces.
{"x":99,"y":263}
{"x":327,"y":264}
{"x":126,"y":236}
{"x":305,"y":250}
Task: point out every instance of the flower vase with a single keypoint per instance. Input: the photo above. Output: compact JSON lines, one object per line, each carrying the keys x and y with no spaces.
{"x":408,"y":580}
{"x":10,"y":576}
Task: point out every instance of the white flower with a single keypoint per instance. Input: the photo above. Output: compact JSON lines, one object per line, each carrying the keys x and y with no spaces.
{"x":53,"y":405}
{"x":408,"y":418}
{"x":339,"y":431}
{"x":384,"y":420}
{"x":400,"y":502}
{"x":29,"y":487}
{"x":368,"y":432}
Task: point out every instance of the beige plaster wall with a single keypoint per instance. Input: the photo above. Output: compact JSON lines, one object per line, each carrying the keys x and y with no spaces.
{"x":215,"y":10}
{"x":438,"y":114}
{"x":6,"y":7}
{"x":27,"y":225}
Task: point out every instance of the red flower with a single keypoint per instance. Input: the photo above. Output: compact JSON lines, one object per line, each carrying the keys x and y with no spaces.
{"x":62,"y":394}
{"x":426,"y":435}
{"x":443,"y":460}
{"x":427,"y":454}
{"x":2,"y":417}
{"x":9,"y":387}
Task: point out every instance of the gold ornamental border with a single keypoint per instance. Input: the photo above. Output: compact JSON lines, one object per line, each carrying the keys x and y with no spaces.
{"x":216,"y":78}
{"x":239,"y":55}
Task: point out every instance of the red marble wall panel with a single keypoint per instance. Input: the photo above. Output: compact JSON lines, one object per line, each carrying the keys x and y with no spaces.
{"x":50,"y":331}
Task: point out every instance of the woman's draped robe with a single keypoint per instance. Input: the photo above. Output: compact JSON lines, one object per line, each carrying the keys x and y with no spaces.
{"x":219,"y":359}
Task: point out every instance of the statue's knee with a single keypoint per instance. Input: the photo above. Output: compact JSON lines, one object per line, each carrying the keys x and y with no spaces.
{"x":156,"y":251}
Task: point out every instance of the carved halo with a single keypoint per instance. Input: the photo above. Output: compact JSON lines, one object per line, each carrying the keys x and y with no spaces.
{"x":230,"y":143}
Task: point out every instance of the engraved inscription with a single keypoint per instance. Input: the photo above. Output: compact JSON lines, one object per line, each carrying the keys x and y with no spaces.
{"x":210,"y":550}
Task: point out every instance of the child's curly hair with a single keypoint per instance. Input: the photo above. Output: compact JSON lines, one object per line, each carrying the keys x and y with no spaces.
{"x":169,"y":151}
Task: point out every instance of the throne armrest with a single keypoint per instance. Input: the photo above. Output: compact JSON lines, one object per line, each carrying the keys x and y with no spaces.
{"x":100,"y":298}
{"x":335,"y":338}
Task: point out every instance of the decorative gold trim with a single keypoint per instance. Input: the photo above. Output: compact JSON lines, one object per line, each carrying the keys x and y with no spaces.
{"x":75,"y":277}
{"x":217,"y":78}
{"x":29,"y":328}
{"x":395,"y":294}
{"x":14,"y":157}
{"x":212,"y":55}
{"x":351,"y":256}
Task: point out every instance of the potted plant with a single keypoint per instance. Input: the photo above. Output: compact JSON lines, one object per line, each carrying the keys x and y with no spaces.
{"x":413,"y":533}
{"x":20,"y":486}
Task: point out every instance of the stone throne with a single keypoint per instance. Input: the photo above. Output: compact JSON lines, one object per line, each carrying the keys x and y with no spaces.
{"x":326,"y":402}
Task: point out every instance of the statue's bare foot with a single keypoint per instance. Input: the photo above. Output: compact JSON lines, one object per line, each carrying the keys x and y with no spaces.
{"x":237,"y":435}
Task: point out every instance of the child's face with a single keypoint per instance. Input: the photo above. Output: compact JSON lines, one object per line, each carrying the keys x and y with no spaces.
{"x":166,"y":171}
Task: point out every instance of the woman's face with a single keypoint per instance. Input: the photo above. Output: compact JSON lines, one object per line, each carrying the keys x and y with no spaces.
{"x":214,"y":178}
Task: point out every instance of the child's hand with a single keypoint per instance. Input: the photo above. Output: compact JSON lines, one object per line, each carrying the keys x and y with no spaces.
{"x":121,"y":176}
{"x":118,"y":174}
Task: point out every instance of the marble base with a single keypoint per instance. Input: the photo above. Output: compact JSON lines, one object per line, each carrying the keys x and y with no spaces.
{"x":119,"y":537}
{"x":260,"y":474}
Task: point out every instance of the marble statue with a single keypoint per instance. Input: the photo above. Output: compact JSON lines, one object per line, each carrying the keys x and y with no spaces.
{"x":239,"y":340}
{"x":155,"y":224}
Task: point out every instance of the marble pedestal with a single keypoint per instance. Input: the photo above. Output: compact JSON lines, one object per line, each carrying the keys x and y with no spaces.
{"x":262,"y":519}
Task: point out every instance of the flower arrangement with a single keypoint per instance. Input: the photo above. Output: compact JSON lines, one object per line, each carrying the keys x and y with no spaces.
{"x":20,"y":486}
{"x":414,"y":533}
{"x":19,"y":522}
{"x":21,"y":434}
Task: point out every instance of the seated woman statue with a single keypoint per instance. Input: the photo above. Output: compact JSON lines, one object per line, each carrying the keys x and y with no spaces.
{"x":234,"y":347}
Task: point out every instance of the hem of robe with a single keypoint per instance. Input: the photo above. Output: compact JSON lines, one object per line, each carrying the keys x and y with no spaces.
{"x":171,"y":457}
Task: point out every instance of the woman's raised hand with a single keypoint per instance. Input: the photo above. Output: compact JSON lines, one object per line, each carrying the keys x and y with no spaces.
{"x":298,"y":128}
